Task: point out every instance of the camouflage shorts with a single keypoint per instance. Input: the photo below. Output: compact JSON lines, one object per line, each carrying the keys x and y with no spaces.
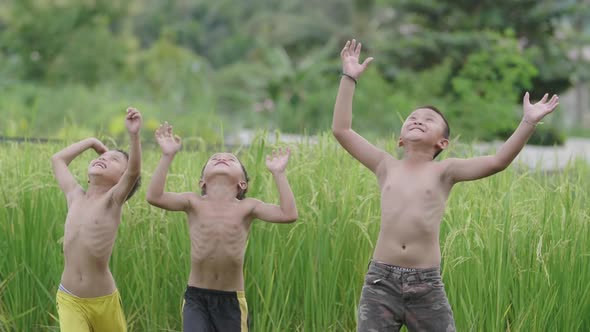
{"x":393,"y":296}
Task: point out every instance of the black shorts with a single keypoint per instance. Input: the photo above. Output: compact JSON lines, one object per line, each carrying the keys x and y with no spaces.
{"x":210,"y":310}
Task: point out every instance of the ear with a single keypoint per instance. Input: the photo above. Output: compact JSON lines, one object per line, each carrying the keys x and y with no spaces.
{"x":201,"y":184}
{"x":243,"y":185}
{"x":442,"y":143}
{"x":400,"y":143}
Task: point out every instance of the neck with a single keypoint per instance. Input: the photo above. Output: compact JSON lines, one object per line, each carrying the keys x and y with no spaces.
{"x":418,"y":154}
{"x":222,"y":188}
{"x":97,"y":189}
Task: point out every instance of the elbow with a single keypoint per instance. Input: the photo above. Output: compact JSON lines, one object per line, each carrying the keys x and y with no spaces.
{"x":498,"y":166}
{"x":338,"y":132}
{"x":151,"y":198}
{"x":291,"y":218}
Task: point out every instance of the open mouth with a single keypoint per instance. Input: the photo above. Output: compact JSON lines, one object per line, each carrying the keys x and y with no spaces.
{"x":416,"y":128}
{"x":221,"y":162}
{"x":99,"y":164}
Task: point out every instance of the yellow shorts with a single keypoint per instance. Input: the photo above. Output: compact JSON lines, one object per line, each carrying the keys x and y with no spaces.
{"x":96,"y":314}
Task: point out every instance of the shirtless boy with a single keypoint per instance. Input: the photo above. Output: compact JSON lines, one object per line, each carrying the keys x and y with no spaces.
{"x":403,"y":284}
{"x":219,"y":221}
{"x":87,"y":298}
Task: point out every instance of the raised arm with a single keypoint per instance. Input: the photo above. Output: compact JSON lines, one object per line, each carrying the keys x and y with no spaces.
{"x":480,"y":167}
{"x":60,"y":161}
{"x":131,"y":175}
{"x":286,"y":212}
{"x":355,"y":144}
{"x":156,"y":195}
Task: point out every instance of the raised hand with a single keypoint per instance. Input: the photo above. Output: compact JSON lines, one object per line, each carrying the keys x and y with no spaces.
{"x":533,"y":113}
{"x":350,"y":59}
{"x":277,"y":162}
{"x":133,"y":120}
{"x":169,"y":142}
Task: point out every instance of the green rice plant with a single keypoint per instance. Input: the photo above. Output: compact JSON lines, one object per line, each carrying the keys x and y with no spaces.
{"x":516,"y":246}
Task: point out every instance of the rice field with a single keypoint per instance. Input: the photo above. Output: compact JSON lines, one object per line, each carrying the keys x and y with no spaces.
{"x":516,"y":246}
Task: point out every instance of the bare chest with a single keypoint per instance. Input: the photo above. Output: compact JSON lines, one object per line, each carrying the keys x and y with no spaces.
{"x":88,"y":220}
{"x":405,"y":186}
{"x":221,"y":221}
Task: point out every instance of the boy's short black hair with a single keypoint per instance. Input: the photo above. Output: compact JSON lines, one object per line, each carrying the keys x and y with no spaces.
{"x":241,"y":193}
{"x":137,"y":183}
{"x":447,"y":132}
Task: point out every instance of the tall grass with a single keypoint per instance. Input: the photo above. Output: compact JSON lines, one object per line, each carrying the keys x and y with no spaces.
{"x":516,"y":246}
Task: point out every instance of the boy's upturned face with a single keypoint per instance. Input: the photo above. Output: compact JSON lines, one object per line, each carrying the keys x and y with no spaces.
{"x":224,"y":164}
{"x":110,"y":165}
{"x":423,"y":124}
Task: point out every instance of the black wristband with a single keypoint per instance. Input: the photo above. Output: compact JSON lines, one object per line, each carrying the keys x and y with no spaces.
{"x":349,"y":76}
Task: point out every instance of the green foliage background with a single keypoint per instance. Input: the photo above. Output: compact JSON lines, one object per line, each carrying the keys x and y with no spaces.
{"x":214,"y":67}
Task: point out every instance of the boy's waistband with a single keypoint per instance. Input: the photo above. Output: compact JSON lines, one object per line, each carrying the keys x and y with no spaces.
{"x":405,"y":270}
{"x":63,"y":293}
{"x":191,"y":290}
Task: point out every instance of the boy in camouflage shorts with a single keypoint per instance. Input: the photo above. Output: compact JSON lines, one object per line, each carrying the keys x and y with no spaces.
{"x":403,"y":284}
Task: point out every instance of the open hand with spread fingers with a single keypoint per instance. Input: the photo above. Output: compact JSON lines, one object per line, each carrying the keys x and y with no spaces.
{"x":169,"y":142}
{"x":350,"y":59}
{"x":277,"y":162}
{"x":533,"y":113}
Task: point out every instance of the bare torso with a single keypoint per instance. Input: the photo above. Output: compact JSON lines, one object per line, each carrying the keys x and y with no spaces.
{"x":89,"y":235}
{"x":413,"y":199}
{"x":218,"y":233}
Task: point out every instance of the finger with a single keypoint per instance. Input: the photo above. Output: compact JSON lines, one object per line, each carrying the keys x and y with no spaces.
{"x":553,"y":100}
{"x":367,"y":61}
{"x":357,"y":50}
{"x":544,"y":99}
{"x":345,"y":48}
{"x":177,"y":139}
{"x":525,"y":99}
{"x":553,"y":106}
{"x":352,"y":46}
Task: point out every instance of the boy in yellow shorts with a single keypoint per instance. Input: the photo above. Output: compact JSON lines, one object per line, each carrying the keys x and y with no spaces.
{"x":88,"y":299}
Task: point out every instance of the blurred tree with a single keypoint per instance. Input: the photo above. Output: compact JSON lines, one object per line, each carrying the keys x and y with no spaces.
{"x":424,"y":32}
{"x":65,"y":40}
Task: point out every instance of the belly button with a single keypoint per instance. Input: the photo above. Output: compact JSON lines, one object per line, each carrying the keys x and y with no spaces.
{"x":404,"y":247}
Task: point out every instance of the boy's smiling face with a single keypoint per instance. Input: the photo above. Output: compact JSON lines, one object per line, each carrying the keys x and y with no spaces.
{"x":223,"y":164}
{"x":228,"y":165}
{"x":111,"y":165}
{"x":425,"y":125}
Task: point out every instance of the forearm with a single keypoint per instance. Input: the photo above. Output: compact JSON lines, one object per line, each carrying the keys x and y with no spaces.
{"x":342,"y":119}
{"x":71,"y":152}
{"x":512,"y":147}
{"x":287,"y":199}
{"x":134,"y":167}
{"x":156,"y":187}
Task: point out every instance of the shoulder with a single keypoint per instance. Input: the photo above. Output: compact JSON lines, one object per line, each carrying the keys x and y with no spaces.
{"x":387,"y":163}
{"x":192,"y":198}
{"x":250,"y":202}
{"x":74,"y":195}
{"x":444,"y":167}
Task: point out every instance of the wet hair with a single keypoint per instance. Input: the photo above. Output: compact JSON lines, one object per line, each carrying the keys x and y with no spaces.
{"x":241,"y":193}
{"x":137,"y":182}
{"x":446,"y":132}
